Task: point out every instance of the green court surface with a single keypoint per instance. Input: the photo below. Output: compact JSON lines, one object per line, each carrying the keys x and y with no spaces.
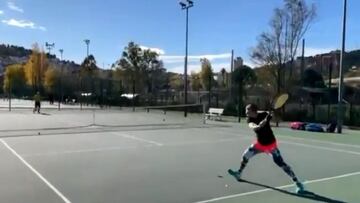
{"x":59,"y":157}
{"x":337,"y":190}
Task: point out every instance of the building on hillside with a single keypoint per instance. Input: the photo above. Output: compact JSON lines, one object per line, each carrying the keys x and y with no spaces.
{"x":321,"y":63}
{"x":238,"y":62}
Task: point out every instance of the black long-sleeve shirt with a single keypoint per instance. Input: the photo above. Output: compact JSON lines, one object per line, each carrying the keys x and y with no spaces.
{"x":265,"y":135}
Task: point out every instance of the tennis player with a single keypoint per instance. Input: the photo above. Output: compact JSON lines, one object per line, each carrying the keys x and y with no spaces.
{"x":265,"y":143}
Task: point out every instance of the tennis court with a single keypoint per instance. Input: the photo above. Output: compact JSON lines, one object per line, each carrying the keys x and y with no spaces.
{"x":123,"y":156}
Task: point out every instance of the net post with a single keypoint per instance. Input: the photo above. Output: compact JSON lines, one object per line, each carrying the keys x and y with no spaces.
{"x":93,"y":117}
{"x":204,"y":113}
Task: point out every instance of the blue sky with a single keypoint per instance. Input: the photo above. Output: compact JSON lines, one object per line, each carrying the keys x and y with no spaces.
{"x":215,"y":27}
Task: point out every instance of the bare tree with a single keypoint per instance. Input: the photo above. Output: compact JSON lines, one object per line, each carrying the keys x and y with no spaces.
{"x":298,"y":19}
{"x":279,"y":46}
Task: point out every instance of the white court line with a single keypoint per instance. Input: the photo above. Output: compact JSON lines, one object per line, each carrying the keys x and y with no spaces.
{"x":36,"y":172}
{"x":280,"y":187}
{"x":81,"y":151}
{"x":201,"y":142}
{"x":318,"y":147}
{"x":298,"y":138}
{"x":249,"y":137}
{"x":314,"y":146}
{"x":319,"y":141}
{"x":304,"y":145}
{"x":125,"y":148}
{"x":137,"y":138}
{"x":238,"y":137}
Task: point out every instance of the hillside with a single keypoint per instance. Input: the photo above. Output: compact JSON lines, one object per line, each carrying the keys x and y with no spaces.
{"x":10,"y":54}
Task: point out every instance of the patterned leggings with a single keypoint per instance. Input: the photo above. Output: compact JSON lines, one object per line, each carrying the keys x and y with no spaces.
{"x":275,"y":153}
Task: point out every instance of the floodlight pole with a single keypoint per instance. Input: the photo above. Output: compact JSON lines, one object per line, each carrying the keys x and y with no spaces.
{"x":61,"y":75}
{"x":186,"y":6}
{"x":341,"y":76}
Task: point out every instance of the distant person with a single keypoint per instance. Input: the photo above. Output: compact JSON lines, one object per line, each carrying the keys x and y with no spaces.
{"x":51,"y":99}
{"x":265,"y":143}
{"x":332,"y":125}
{"x":37,"y":99}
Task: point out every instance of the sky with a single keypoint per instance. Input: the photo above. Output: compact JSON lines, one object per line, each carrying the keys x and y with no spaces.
{"x":215,"y":28}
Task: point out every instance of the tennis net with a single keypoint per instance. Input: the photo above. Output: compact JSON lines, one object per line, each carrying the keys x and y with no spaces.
{"x":24,"y":121}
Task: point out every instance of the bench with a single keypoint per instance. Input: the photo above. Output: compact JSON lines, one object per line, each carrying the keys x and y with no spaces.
{"x":214,"y":113}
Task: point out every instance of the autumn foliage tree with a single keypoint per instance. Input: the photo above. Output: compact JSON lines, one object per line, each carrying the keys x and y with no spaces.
{"x":51,"y":79}
{"x":35,"y":68}
{"x":195,"y":81}
{"x":206,"y":73}
{"x":14,"y":80}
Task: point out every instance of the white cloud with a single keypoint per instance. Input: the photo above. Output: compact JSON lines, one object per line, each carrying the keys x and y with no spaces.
{"x":311,"y":51}
{"x":1,"y":12}
{"x":157,"y":50}
{"x":218,"y":61}
{"x":218,"y":66}
{"x":42,"y":28}
{"x":19,"y":23}
{"x":250,"y":64}
{"x":197,"y":67}
{"x":179,"y":58}
{"x":23,"y":24}
{"x":180,"y":69}
{"x":12,"y":6}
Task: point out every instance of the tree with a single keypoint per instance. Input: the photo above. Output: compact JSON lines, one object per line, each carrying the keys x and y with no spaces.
{"x":35,"y":68}
{"x":136,"y":64}
{"x":51,"y":79}
{"x":243,"y":77}
{"x":265,"y":78}
{"x":139,"y":69}
{"x":130,"y":64}
{"x":223,"y":75}
{"x":88,"y":66}
{"x":11,"y":50}
{"x":152,"y":68}
{"x":206,"y":76}
{"x":206,"y":73}
{"x":195,"y":81}
{"x":155,"y":77}
{"x":158,"y":76}
{"x":88,"y":70}
{"x":314,"y":80}
{"x":279,"y":46}
{"x":118,"y":76}
{"x":14,"y":80}
{"x":176,"y":81}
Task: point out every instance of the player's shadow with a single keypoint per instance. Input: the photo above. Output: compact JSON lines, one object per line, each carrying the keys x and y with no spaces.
{"x":45,"y":114}
{"x":306,"y":194}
